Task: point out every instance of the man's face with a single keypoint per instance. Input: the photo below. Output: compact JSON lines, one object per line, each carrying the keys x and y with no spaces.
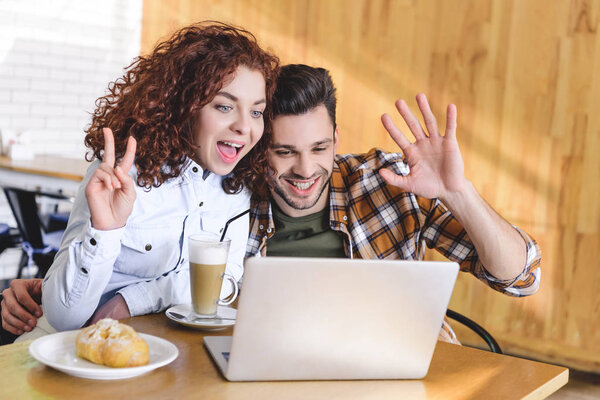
{"x":301,"y":155}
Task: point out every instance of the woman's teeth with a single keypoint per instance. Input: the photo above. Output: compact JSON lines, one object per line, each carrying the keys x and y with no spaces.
{"x":237,"y":146}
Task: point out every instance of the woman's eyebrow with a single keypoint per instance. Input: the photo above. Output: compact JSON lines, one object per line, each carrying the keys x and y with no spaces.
{"x":235,"y":98}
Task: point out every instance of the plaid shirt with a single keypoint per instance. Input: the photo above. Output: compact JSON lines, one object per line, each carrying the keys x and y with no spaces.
{"x":384,"y":222}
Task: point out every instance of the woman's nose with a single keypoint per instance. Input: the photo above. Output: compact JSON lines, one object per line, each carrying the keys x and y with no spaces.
{"x":242,"y":124}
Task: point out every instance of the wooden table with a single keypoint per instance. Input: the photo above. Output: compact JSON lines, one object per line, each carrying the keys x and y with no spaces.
{"x":456,"y":372}
{"x":46,"y":174}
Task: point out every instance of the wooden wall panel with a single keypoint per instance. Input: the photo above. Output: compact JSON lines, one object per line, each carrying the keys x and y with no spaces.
{"x":525,"y":75}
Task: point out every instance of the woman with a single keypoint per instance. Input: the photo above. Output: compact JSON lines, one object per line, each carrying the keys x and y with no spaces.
{"x":183,"y":122}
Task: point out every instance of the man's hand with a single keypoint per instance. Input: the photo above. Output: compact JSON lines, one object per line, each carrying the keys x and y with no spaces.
{"x":20,"y":305}
{"x":437,"y":171}
{"x":436,"y":165}
{"x":115,"y":308}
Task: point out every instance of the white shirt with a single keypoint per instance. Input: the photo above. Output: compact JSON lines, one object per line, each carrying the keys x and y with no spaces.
{"x":146,"y":261}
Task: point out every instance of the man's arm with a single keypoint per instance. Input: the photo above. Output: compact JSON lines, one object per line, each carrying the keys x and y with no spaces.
{"x":20,"y":305}
{"x":437,"y":171}
{"x":500,"y":248}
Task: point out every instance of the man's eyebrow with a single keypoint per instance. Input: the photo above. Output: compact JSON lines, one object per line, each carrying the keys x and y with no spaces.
{"x":282,"y":146}
{"x":234,"y":98}
{"x":321,"y":142}
{"x":291,"y":147}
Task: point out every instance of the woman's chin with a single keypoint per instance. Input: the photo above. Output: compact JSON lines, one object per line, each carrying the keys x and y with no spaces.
{"x":222,"y":169}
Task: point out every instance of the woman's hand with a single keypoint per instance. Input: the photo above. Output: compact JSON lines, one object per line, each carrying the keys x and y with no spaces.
{"x":110,"y":192}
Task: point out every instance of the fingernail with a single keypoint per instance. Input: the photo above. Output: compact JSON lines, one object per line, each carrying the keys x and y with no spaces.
{"x":19,"y":332}
{"x":31,"y":323}
{"x":27,"y":328}
{"x":38,"y":314}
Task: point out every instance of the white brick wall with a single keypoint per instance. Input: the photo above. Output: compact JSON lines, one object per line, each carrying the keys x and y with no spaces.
{"x":56,"y":58}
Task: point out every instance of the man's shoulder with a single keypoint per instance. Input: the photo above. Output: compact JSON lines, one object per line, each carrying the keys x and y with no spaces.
{"x":373,"y":160}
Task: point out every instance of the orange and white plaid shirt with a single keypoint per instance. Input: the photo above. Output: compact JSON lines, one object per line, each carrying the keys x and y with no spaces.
{"x":379,"y":221}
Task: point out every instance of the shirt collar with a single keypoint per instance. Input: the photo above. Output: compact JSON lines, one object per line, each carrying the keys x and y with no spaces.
{"x":193,"y":172}
{"x":338,"y":198}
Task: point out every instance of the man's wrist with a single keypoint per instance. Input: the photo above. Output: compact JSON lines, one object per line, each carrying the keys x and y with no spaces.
{"x":459,"y":199}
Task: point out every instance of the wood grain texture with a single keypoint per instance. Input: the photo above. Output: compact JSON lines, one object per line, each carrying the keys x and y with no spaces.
{"x":525,"y":76}
{"x":456,"y":372}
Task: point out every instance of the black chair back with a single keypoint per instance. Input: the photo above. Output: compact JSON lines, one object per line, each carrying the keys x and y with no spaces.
{"x":478,"y":329}
{"x":24,"y":207}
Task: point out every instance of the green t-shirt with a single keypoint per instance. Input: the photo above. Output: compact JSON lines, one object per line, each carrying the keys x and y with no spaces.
{"x":308,"y":236}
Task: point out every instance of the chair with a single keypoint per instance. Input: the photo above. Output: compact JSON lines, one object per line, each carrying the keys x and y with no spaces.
{"x":478,"y":329}
{"x":38,"y":246}
{"x":9,"y":237}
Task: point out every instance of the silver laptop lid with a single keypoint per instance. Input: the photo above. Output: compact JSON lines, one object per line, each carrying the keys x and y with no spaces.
{"x":311,"y":318}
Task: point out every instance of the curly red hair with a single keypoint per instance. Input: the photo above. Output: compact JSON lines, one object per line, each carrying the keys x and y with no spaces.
{"x":155,"y":102}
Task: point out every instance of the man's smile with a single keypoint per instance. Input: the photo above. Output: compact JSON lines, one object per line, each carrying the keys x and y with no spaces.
{"x":302,"y":187}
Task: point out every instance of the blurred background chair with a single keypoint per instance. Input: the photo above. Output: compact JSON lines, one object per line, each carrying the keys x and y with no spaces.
{"x":39,"y":245}
{"x":9,"y":237}
{"x":478,"y":329}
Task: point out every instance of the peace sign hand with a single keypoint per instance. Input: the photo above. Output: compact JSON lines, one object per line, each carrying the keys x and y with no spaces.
{"x":110,"y":192}
{"x":436,"y":165}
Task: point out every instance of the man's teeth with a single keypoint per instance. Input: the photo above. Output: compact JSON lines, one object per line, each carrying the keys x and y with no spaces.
{"x":303,"y":185}
{"x":237,"y":146}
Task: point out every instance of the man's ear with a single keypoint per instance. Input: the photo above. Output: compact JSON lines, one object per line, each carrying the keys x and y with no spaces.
{"x":335,"y":139}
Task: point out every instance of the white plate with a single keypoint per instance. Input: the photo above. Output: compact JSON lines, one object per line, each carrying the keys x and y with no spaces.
{"x":211,"y":323}
{"x":58,"y":351}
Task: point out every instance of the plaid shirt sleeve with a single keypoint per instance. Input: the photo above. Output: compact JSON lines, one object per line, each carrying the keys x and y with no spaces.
{"x":387,"y":222}
{"x":445,"y":234}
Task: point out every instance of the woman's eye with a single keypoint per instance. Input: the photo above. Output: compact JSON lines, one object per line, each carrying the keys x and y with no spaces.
{"x":224,"y":108}
{"x":256,"y":114}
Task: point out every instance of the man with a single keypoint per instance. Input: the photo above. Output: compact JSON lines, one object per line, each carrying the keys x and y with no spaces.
{"x":373,"y":205}
{"x":379,"y":205}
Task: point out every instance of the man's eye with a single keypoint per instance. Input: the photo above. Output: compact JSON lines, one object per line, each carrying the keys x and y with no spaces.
{"x":256,"y":114}
{"x":223,"y":108}
{"x":317,"y":149}
{"x":283,"y":152}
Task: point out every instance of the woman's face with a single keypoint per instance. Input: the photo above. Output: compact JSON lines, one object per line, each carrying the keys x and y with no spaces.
{"x":231,"y":124}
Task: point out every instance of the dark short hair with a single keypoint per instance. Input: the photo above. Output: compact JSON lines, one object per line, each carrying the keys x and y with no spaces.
{"x":301,"y":88}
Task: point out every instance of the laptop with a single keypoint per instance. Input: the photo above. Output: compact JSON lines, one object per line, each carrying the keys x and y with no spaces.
{"x":335,"y":319}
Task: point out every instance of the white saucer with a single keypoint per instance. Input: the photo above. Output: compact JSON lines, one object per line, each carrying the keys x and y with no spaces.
{"x":196,"y":321}
{"x":58,"y":351}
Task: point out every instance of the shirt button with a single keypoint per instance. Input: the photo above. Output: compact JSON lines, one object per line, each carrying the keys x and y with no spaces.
{"x":93,"y":241}
{"x":195,"y":169}
{"x":201,"y":204}
{"x":260,"y":227}
{"x":345,"y":218}
{"x":269,"y":230}
{"x":85,"y":271}
{"x":148,"y":247}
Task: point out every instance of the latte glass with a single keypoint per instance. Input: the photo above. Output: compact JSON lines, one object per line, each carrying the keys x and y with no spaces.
{"x":208,"y":258}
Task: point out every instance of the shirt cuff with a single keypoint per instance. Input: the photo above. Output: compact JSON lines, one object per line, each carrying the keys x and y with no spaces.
{"x":107,"y":243}
{"x":532,"y":254}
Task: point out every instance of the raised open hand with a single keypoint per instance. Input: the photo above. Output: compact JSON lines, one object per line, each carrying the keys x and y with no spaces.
{"x":436,"y":165}
{"x":110,"y":192}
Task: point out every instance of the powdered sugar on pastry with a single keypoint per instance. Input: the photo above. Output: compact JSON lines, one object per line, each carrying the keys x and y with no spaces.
{"x":111,"y":343}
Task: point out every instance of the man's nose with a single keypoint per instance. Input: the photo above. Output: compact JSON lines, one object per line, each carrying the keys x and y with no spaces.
{"x":303,"y":166}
